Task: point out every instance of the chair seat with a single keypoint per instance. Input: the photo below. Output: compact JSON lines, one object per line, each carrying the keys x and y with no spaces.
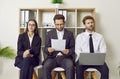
{"x":37,"y":67}
{"x":91,"y":69}
{"x":58,"y":69}
{"x":34,"y":73}
{"x":17,"y":68}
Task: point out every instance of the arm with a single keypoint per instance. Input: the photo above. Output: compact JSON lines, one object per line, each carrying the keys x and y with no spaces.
{"x":102,"y":46}
{"x":71,"y":48}
{"x":77,"y":48}
{"x":47,"y":44}
{"x":20,"y":49}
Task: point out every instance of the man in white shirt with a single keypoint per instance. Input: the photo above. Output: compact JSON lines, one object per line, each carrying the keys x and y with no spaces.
{"x":82,"y":45}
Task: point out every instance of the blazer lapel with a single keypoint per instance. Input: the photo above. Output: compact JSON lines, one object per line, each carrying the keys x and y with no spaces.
{"x":27,"y":40}
{"x":65,"y":34}
{"x":55,"y":34}
{"x":34,"y":41}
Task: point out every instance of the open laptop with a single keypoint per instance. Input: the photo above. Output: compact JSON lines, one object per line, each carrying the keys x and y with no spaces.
{"x":92,"y":58}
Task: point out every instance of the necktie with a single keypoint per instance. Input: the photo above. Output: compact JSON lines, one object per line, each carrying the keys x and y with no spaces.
{"x":91,"y":44}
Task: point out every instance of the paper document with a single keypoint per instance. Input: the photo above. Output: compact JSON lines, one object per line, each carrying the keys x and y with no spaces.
{"x":58,"y":44}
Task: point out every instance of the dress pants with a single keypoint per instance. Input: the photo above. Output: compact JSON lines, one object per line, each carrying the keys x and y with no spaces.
{"x":103,"y":69}
{"x":65,"y":63}
{"x":27,"y":67}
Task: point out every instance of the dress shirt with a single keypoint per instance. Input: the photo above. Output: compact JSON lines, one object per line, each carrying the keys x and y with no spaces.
{"x":82,"y":43}
{"x":30,"y":40}
{"x":60,"y":36}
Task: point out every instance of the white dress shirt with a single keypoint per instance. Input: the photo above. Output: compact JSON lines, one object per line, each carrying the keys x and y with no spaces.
{"x":60,"y":36}
{"x":82,"y":43}
{"x":30,"y":39}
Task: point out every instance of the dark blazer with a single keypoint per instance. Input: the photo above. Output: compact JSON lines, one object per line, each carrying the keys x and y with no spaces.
{"x":70,"y":43}
{"x":24,"y":44}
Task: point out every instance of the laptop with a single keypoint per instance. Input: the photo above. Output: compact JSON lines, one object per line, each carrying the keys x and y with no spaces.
{"x":92,"y":58}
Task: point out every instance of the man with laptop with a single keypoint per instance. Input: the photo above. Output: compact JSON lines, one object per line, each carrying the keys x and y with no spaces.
{"x":92,"y":46}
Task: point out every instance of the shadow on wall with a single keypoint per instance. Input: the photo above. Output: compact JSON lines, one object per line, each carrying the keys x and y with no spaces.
{"x":110,"y":56}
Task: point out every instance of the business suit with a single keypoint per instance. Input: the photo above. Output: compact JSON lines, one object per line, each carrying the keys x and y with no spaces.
{"x":66,"y":60}
{"x":27,"y":64}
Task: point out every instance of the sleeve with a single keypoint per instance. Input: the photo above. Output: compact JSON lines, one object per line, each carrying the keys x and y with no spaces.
{"x":71,"y":45}
{"x":102,"y":46}
{"x":47,"y":44}
{"x":20,"y":49}
{"x":77,"y":48}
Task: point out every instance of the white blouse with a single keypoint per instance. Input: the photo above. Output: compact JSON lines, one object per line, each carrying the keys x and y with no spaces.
{"x":30,"y":39}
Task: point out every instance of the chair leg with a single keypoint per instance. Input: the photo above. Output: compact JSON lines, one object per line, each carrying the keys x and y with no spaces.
{"x":19,"y":74}
{"x":86,"y":75}
{"x":54,"y":75}
{"x":94,"y":76}
{"x":35,"y":75}
{"x":63,"y":75}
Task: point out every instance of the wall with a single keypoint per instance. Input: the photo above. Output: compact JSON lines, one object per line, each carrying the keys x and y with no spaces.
{"x":107,"y":23}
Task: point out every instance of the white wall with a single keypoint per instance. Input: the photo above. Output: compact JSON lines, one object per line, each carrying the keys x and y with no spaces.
{"x":107,"y":23}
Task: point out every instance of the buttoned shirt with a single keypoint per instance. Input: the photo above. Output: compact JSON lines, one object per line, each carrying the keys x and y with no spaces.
{"x":82,"y":43}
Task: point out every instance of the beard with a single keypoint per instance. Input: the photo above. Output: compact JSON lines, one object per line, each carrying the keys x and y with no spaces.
{"x":60,"y":29}
{"x":91,"y":28}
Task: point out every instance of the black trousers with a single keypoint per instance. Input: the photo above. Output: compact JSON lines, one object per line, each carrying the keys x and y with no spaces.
{"x":103,"y":69}
{"x":27,"y":68}
{"x":65,"y":63}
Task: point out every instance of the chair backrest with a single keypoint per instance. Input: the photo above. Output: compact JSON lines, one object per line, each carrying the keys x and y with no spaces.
{"x":41,"y":55}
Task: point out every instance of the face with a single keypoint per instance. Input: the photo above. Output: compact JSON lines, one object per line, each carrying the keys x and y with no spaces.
{"x":31,"y":26}
{"x":89,"y":23}
{"x":59,"y":24}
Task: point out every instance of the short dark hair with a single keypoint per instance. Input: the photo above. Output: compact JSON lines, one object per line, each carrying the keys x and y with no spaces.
{"x":36,"y":26}
{"x":59,"y":16}
{"x":87,"y":17}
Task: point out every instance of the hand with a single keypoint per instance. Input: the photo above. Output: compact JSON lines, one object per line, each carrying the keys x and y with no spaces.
{"x":51,"y":49}
{"x":26,"y":53}
{"x":66,"y":51}
{"x":30,"y":55}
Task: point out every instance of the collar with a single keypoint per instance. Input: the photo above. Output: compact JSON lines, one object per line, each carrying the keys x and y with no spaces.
{"x":60,"y":31}
{"x":87,"y":33}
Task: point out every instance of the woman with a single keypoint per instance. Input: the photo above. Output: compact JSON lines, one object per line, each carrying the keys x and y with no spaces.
{"x":28,"y":50}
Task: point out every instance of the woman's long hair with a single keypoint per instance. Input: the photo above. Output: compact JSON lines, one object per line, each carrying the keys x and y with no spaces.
{"x":36,"y":26}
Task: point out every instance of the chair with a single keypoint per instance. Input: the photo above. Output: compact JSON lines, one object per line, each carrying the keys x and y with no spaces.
{"x":90,"y":73}
{"x":58,"y":71}
{"x":34,"y":73}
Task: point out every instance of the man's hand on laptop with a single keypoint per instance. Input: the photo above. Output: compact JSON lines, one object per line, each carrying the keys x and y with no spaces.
{"x":66,"y":51}
{"x":50,"y":50}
